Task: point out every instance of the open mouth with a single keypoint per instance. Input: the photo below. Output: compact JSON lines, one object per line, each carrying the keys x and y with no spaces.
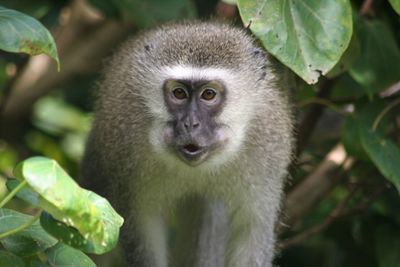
{"x":193,"y":153}
{"x":192,"y":149}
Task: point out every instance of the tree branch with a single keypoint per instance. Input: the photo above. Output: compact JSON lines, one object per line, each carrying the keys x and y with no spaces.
{"x":336,"y":213}
{"x":311,"y":118}
{"x":315,"y":186}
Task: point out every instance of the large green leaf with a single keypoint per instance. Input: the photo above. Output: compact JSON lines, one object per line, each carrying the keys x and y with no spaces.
{"x":308,"y":36}
{"x":378,"y":65}
{"x":74,"y":238}
{"x":383,"y":152}
{"x":62,"y":255}
{"x":22,"y":33}
{"x":396,"y":5}
{"x":30,"y":240}
{"x":10,"y":260}
{"x":60,"y":196}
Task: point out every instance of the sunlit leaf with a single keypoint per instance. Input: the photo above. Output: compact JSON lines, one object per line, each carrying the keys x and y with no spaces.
{"x":22,"y":33}
{"x":307,"y":36}
{"x":89,"y":213}
{"x":72,"y":237}
{"x":55,"y":116}
{"x":27,"y":194}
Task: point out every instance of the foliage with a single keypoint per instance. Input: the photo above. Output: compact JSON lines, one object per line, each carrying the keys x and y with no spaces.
{"x":347,"y":58}
{"x":22,"y":33}
{"x":84,"y":220}
{"x":307,"y":36}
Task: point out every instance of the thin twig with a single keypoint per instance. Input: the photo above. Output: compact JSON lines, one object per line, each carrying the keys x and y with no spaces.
{"x":317,"y":184}
{"x":12,"y":193}
{"x":383,"y":113}
{"x":338,"y":212}
{"x":311,"y":118}
{"x":366,"y":7}
{"x":323,"y":102}
{"x":335,"y":213}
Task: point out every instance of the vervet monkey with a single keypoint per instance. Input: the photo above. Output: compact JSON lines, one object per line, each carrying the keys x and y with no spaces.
{"x":192,"y":130}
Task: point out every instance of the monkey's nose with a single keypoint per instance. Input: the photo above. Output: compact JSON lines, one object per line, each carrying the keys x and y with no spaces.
{"x":190,"y":123}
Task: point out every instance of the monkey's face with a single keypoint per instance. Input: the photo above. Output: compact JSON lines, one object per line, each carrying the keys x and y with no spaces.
{"x":193,"y":134}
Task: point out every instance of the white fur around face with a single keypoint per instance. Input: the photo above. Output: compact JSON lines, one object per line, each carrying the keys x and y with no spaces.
{"x":196,"y":73}
{"x":234,"y":114}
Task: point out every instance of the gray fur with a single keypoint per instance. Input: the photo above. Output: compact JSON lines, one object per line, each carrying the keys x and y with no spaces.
{"x":229,"y":207}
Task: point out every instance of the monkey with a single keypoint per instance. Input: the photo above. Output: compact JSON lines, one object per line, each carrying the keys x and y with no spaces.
{"x":192,"y":132}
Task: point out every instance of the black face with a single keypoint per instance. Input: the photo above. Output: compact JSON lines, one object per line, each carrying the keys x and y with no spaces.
{"x":193,"y":133}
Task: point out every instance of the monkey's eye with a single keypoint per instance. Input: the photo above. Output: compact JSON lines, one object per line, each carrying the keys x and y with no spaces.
{"x":208,"y":94}
{"x":179,"y":93}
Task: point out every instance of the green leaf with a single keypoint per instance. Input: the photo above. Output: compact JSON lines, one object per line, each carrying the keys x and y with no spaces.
{"x":62,"y":255}
{"x":22,"y":33}
{"x":60,"y":196}
{"x":378,"y":66}
{"x":383,"y":152}
{"x":30,"y":240}
{"x":67,"y":234}
{"x":351,"y":140}
{"x":25,"y":193}
{"x":72,"y":237}
{"x":10,"y":260}
{"x":348,"y":58}
{"x":364,"y":116}
{"x":55,"y":116}
{"x":346,"y":87}
{"x":307,"y":36}
{"x":396,"y":5}
{"x":35,"y":263}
